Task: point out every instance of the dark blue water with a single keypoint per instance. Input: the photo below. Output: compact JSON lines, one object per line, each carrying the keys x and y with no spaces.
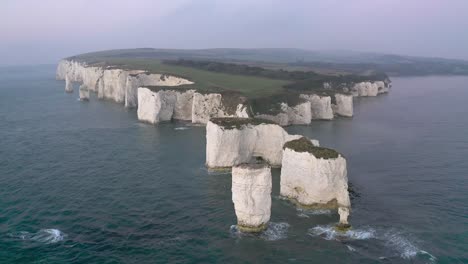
{"x":86,"y":183}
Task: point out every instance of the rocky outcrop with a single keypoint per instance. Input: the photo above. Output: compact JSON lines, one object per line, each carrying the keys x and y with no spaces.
{"x":84,"y":93}
{"x":321,"y":107}
{"x":233,"y":141}
{"x":183,"y":105}
{"x":343,"y":105}
{"x":141,"y":78}
{"x":299,"y":114}
{"x":205,"y":106}
{"x":118,"y":85}
{"x":122,"y":85}
{"x":68,"y":85}
{"x":251,"y":195}
{"x":156,"y":105}
{"x":369,"y":88}
{"x":315,"y":177}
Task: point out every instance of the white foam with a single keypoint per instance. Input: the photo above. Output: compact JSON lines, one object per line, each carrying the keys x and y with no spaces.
{"x":274,"y":231}
{"x":330,"y":233}
{"x":403,"y":246}
{"x":181,"y":128}
{"x":306,"y":213}
{"x":392,"y":239}
{"x":47,"y":236}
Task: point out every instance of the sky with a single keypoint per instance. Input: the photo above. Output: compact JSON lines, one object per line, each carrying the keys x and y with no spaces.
{"x":43,"y":31}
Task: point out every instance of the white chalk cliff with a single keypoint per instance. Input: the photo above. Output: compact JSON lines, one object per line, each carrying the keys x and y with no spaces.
{"x":343,"y":105}
{"x":68,"y":85}
{"x":229,"y":144}
{"x":251,"y":195}
{"x":114,"y":84}
{"x":315,"y":180}
{"x":84,"y":93}
{"x":369,"y":88}
{"x":299,"y":114}
{"x":155,"y":106}
{"x":123,"y":86}
{"x":321,"y":106}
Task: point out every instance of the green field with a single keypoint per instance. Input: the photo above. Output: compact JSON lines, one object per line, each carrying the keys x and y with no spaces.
{"x":249,"y":86}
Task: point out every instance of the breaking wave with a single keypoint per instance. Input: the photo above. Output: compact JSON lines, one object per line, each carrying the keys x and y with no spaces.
{"x":405,"y":248}
{"x":47,"y":236}
{"x":330,"y":233}
{"x":274,"y":231}
{"x":392,"y":239}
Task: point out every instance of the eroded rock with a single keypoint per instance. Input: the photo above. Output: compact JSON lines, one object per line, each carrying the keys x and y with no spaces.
{"x":84,"y":93}
{"x":315,"y":177}
{"x":233,"y":141}
{"x":343,"y":105}
{"x":68,"y":85}
{"x":251,"y":195}
{"x":321,"y":107}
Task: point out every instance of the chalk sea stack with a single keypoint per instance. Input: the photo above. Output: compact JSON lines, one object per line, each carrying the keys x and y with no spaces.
{"x":68,"y":85}
{"x":84,"y":93}
{"x":315,"y":177}
{"x":251,"y":195}
{"x":233,"y":141}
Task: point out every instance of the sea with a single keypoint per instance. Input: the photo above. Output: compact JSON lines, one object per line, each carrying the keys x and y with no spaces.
{"x":85,"y":182}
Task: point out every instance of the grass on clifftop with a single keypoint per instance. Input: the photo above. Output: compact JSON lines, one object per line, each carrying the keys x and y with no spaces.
{"x":250,"y":86}
{"x":304,"y":145}
{"x":237,"y":122}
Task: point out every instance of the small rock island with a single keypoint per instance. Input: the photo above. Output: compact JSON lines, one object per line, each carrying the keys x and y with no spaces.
{"x":313,"y":177}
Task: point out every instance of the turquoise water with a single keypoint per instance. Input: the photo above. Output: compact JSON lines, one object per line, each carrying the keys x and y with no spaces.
{"x":84,"y":182}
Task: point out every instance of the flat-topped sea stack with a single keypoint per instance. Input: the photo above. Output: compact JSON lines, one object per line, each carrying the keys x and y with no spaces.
{"x":192,"y":86}
{"x":315,"y":177}
{"x":68,"y":85}
{"x":234,"y":141}
{"x":84,"y":93}
{"x":251,"y":195}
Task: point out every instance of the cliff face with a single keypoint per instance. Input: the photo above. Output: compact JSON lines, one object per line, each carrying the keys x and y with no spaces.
{"x":122,"y":86}
{"x":189,"y":105}
{"x":370,"y":88}
{"x":321,"y":106}
{"x":117,"y":85}
{"x":140,"y":79}
{"x":227,"y":147}
{"x":344,"y":105}
{"x":299,"y":114}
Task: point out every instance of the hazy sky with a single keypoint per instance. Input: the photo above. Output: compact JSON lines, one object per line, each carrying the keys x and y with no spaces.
{"x":43,"y":31}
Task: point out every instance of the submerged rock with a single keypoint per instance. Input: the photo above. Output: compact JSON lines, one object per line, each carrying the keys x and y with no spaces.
{"x":251,"y":195}
{"x":315,"y":177}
